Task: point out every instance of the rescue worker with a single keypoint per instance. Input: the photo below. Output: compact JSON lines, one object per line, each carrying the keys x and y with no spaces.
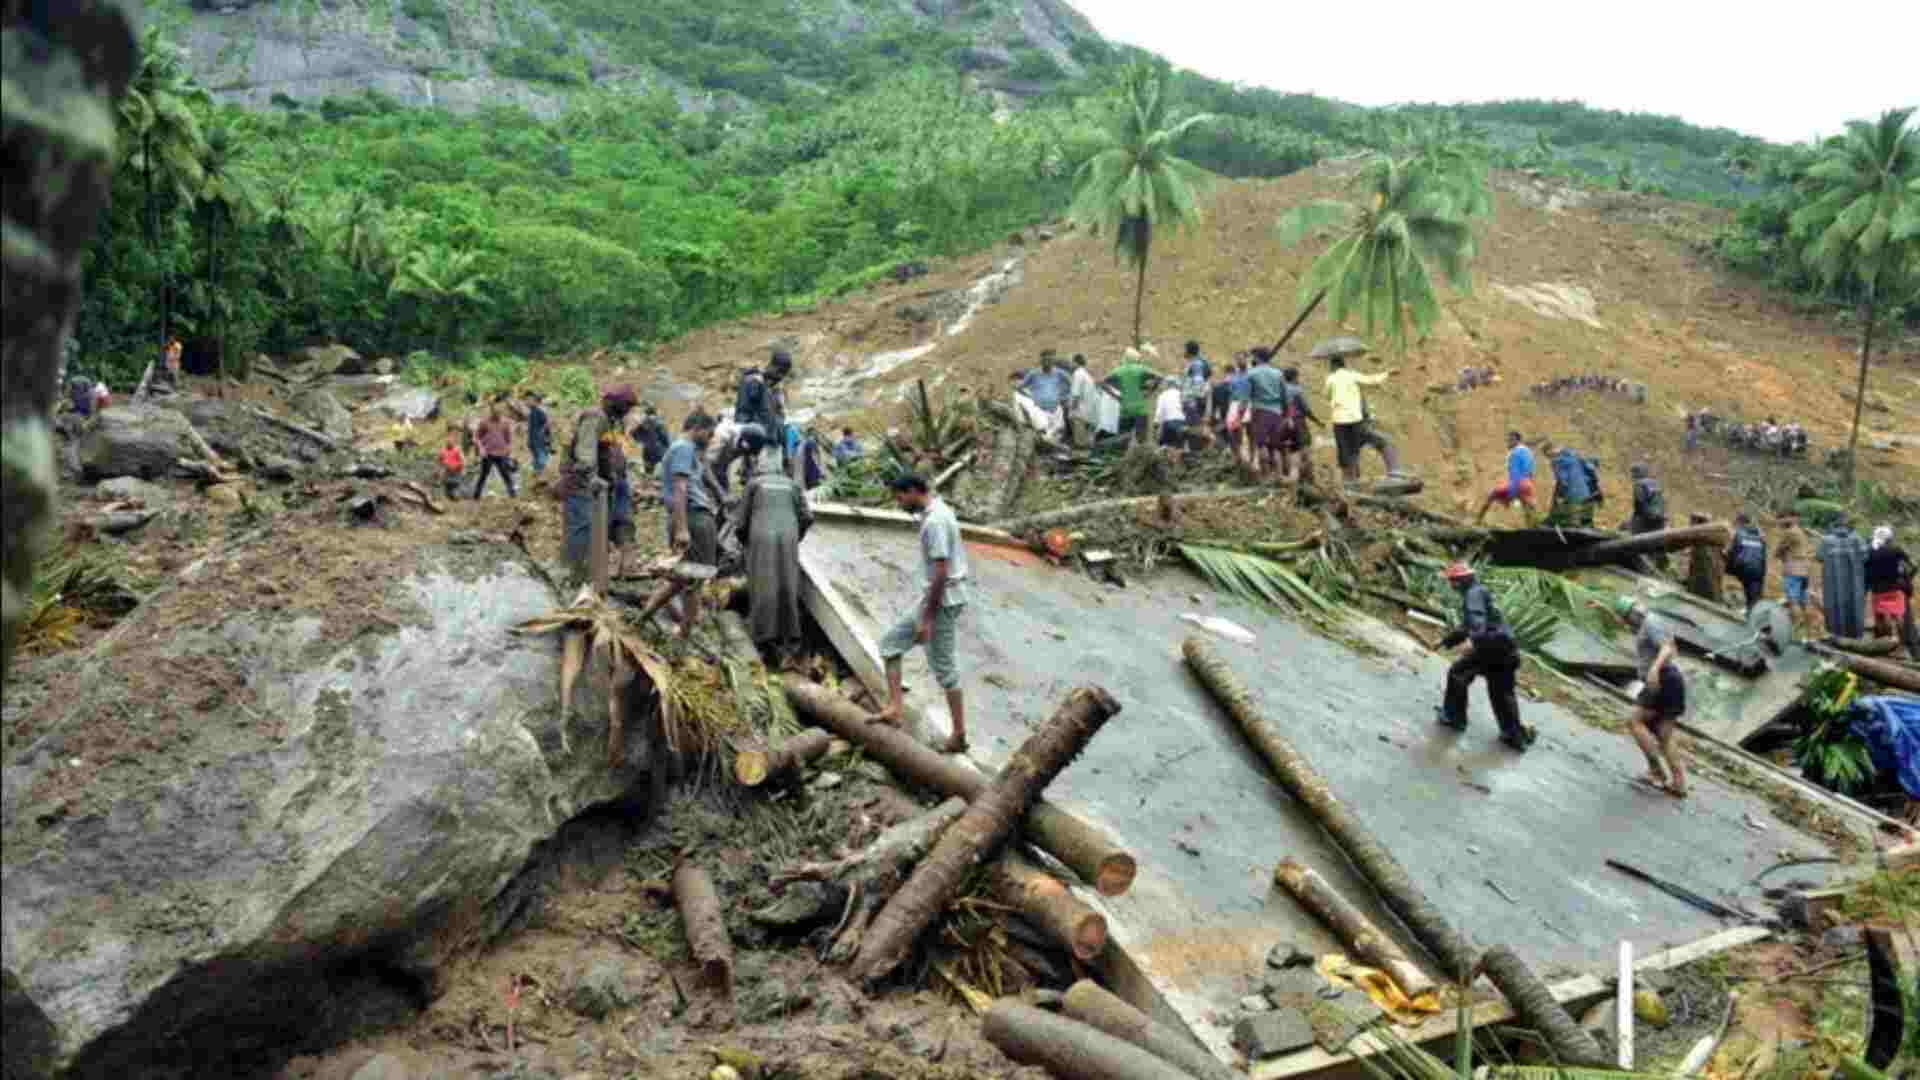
{"x":1649,"y":507}
{"x":1575,"y":495}
{"x":1491,"y":654}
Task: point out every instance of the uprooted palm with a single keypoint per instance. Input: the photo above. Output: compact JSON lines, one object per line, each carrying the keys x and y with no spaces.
{"x":1416,"y":219}
{"x":593,"y":627}
{"x":1136,"y":182}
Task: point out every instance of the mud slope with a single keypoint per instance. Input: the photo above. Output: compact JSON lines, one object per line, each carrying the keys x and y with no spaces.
{"x":1661,"y":313}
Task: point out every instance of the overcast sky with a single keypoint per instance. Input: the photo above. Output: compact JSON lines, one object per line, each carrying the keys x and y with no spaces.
{"x":1784,"y":74}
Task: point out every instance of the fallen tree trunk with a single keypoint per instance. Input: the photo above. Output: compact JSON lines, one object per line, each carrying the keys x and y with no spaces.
{"x":706,"y":930}
{"x":754,"y":768}
{"x":1714,"y":534}
{"x":292,"y":428}
{"x":1864,"y":646}
{"x":1009,"y":474}
{"x":115,"y":522}
{"x":1074,"y":515}
{"x":989,"y":819}
{"x":1410,"y":509}
{"x":1306,"y":784}
{"x":1886,"y":672}
{"x":1067,"y":1048}
{"x":1368,"y":942}
{"x":1049,"y":905}
{"x":1534,"y":1004}
{"x":1092,"y":1004}
{"x":872,"y":875}
{"x":1079,"y":846}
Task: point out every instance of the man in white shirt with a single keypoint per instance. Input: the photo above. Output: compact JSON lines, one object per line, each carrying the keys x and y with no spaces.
{"x":1169,"y":412}
{"x":934,"y":621}
{"x":1083,"y":412}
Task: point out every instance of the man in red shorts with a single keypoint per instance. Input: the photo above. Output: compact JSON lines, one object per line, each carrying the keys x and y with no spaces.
{"x":1519,"y":485}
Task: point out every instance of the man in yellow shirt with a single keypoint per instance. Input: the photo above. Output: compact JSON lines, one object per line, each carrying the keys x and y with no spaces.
{"x":1352,"y":428}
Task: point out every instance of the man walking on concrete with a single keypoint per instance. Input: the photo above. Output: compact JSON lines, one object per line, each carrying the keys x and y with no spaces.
{"x":1491,"y":654}
{"x":1662,"y":699}
{"x":1747,"y":559}
{"x":934,"y":623}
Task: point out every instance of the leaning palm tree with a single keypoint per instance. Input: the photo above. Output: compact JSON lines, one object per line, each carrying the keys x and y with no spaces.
{"x":1135,"y":182}
{"x":1382,"y":261}
{"x":1861,"y":225}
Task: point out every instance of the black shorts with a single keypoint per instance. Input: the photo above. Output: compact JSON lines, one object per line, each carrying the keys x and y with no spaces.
{"x":1347,"y":441}
{"x":1667,"y":704}
{"x":1173,"y":433}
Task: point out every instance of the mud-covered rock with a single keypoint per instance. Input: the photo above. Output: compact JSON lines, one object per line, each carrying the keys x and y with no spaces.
{"x":606,"y":986}
{"x":134,"y":440}
{"x":325,"y":412}
{"x":233,"y":800}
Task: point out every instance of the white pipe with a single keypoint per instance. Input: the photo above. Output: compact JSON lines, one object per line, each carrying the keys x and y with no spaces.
{"x":1624,"y":1006}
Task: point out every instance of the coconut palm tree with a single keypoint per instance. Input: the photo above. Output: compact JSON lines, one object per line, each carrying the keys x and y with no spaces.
{"x":226,"y":195}
{"x":441,"y":278}
{"x":1861,"y":226}
{"x":163,"y":139}
{"x":1135,"y":182}
{"x":1382,"y":261}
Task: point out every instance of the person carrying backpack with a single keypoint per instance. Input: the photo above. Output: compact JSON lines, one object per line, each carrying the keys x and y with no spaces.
{"x":1649,"y":507}
{"x":1747,"y":559}
{"x":1574,"y":493}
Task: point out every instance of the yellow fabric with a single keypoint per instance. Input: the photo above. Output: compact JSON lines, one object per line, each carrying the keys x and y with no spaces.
{"x":1376,"y":984}
{"x":1343,"y":391}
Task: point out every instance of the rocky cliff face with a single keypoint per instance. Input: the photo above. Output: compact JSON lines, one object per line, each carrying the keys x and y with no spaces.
{"x":456,"y":54}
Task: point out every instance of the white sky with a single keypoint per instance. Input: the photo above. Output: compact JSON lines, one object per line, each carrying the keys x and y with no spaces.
{"x":1780,"y":72}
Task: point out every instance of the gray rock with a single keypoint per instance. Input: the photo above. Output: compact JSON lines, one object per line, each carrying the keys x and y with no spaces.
{"x":1288,"y":954}
{"x":358,"y":781}
{"x":327,"y":360}
{"x":1841,"y":937}
{"x":604,"y":988}
{"x":409,"y":403}
{"x":135,"y":489}
{"x":134,"y":440}
{"x":1291,"y":986}
{"x":1272,"y":1033}
{"x":325,"y":413}
{"x":1255,"y":1003}
{"x":275,"y":467}
{"x":361,"y":387}
{"x":1336,"y":1018}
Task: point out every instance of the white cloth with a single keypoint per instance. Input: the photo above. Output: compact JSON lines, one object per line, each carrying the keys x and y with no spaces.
{"x":1085,"y":397}
{"x":1168,"y":406}
{"x":1882,"y":536}
{"x":1048,"y":422}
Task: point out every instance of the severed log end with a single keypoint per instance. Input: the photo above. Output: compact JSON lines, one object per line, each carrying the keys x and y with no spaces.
{"x":750,"y":768}
{"x":1068,"y":1048}
{"x":706,"y":930}
{"x":1115,"y":874}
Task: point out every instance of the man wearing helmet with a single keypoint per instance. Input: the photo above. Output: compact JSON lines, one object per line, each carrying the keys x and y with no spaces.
{"x":1491,"y":654}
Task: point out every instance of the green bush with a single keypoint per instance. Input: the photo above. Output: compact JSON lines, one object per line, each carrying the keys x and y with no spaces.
{"x":1034,"y":65}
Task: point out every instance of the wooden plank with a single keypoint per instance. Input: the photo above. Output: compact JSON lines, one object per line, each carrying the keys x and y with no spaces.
{"x":1584,"y":988}
{"x":984,"y":534}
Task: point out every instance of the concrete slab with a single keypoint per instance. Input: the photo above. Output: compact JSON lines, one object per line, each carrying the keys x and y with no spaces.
{"x":1172,"y":777}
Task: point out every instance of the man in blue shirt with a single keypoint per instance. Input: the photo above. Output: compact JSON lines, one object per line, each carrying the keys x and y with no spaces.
{"x":539,"y":434}
{"x":1574,"y":495}
{"x":1519,"y":485}
{"x":1048,"y":386}
{"x":693,"y":529}
{"x":847,"y":449}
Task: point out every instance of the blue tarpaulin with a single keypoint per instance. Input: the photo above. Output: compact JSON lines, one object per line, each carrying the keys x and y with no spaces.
{"x":1891,"y":728}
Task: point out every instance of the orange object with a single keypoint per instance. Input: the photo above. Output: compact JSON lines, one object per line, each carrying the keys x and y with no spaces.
{"x":1458,"y":570}
{"x":451,"y":459}
{"x":1059,"y":543}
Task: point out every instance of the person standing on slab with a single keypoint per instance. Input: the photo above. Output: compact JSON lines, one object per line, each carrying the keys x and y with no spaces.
{"x":1889,"y":575}
{"x":1662,"y":700}
{"x":1491,"y":654}
{"x":935,"y":622}
{"x":1747,"y":559}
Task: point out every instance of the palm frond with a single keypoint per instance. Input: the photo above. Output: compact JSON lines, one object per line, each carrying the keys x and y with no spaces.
{"x":1254,"y":578}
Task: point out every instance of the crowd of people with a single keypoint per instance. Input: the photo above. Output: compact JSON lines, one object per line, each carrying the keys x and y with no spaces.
{"x":1471,"y":378}
{"x":1769,"y":437}
{"x":1249,"y":408}
{"x":1610,"y":384}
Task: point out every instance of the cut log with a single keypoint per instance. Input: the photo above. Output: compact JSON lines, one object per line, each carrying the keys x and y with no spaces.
{"x":1886,"y":672}
{"x":1864,"y":646}
{"x":1008,"y":477}
{"x":754,"y":768}
{"x":1707,"y":566}
{"x":363,"y":471}
{"x":706,"y":930}
{"x":1368,"y":943}
{"x":1406,"y":507}
{"x":1536,"y":1007}
{"x":116,"y":522}
{"x":1067,"y":1048}
{"x":871,"y":876}
{"x":1306,"y":784}
{"x":1049,"y":905}
{"x":1073,"y":515}
{"x":1090,"y":1003}
{"x":292,"y":428}
{"x":1716,"y":535}
{"x":1079,"y":846}
{"x":989,"y":819}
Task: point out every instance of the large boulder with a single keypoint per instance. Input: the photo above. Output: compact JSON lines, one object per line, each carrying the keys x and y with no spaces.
{"x":135,"y":439}
{"x":325,"y":412}
{"x":326,"y":360}
{"x":409,"y":403}
{"x":308,"y":758}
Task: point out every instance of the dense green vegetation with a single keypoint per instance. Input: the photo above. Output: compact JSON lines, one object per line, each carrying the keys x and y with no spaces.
{"x":626,"y":219}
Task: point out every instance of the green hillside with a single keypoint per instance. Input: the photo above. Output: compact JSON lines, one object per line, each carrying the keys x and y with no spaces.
{"x":622,"y":172}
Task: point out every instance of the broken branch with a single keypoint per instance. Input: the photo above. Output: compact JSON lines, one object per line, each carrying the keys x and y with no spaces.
{"x":754,"y":768}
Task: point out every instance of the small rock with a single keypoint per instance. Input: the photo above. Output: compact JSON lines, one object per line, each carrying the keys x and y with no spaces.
{"x":1286,"y":954}
{"x":826,"y":781}
{"x":1841,"y":937}
{"x":132,"y":488}
{"x":1255,"y":1003}
{"x":1270,"y":1033}
{"x":1336,"y":1020}
{"x":1292,"y":985}
{"x":603,"y":988}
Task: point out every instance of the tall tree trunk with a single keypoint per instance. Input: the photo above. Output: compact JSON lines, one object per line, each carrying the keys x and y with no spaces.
{"x":1079,"y":846}
{"x":1139,"y":297}
{"x":1298,"y":319}
{"x":988,"y":821}
{"x":1306,"y":784}
{"x":1536,"y":1007}
{"x":1860,"y":392}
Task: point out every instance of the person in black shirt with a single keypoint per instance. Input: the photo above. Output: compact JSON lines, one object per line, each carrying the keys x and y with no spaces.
{"x":1889,"y":583}
{"x":1491,"y":654}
